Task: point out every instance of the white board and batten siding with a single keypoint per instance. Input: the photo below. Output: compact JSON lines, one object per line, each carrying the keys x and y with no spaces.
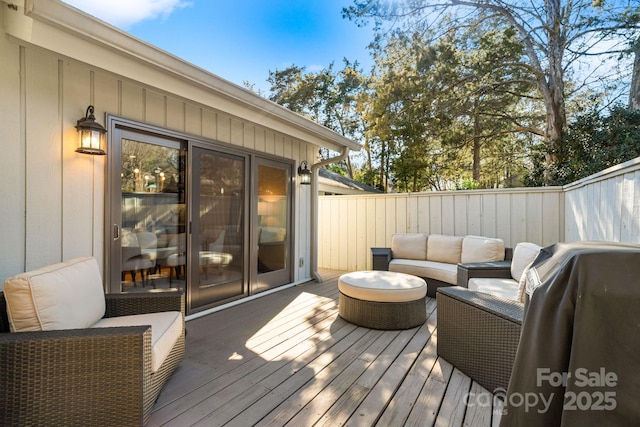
{"x":605,"y":206}
{"x":350,"y":225}
{"x":53,"y":201}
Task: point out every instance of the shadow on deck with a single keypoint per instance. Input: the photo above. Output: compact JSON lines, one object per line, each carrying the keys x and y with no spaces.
{"x":288,"y":358}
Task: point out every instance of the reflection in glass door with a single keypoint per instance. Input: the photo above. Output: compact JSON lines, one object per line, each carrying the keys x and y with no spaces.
{"x":149,"y":244}
{"x":179,"y":219}
{"x":218,"y":228}
{"x":273,"y":236}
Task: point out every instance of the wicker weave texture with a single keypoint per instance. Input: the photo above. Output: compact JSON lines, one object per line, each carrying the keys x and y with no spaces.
{"x":382,"y":315}
{"x":143,"y":303}
{"x":56,"y":378}
{"x":480,"y":340}
{"x":96,"y":377}
{"x":158,"y":379}
{"x":496,"y":269}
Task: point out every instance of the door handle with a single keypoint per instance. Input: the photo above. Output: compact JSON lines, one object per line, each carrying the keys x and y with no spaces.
{"x":116,"y":231}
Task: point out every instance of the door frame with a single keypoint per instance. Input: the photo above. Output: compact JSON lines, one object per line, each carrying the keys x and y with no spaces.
{"x":261,"y":282}
{"x":115,"y":125}
{"x":113,"y":193}
{"x":194,"y":148}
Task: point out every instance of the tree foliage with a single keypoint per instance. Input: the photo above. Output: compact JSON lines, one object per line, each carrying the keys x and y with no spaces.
{"x":556,"y":37}
{"x":477,"y":93}
{"x":328,"y":97}
{"x":441,"y":109}
{"x":594,"y":142}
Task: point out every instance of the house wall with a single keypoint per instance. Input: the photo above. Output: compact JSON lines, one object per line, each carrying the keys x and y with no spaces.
{"x":350,"y":225}
{"x":53,"y":201}
{"x":605,"y":206}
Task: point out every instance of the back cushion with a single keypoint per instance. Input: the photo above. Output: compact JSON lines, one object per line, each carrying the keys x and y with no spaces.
{"x":272,"y":234}
{"x":482,"y":249}
{"x":409,"y":246}
{"x":128,"y":238}
{"x":523,"y":255}
{"x":442,"y":248}
{"x":67,"y":295}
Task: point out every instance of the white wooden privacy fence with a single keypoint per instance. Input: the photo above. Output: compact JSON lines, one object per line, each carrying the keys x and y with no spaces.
{"x":604,"y":206}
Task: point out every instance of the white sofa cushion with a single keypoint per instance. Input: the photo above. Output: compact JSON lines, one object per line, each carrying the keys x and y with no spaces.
{"x":67,"y":295}
{"x":430,"y":269}
{"x":522,"y":284}
{"x":441,"y":248}
{"x":505,"y":288}
{"x":166,"y":328}
{"x":523,"y":255}
{"x":409,"y":246}
{"x":481,"y":249}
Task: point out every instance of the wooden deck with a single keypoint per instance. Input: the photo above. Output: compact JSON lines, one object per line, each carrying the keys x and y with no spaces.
{"x":288,"y":358}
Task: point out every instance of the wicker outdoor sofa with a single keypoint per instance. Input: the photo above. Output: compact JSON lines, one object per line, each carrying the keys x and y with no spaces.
{"x":98,"y":376}
{"x":479,"y":321}
{"x":435,"y":257}
{"x":478,"y":333}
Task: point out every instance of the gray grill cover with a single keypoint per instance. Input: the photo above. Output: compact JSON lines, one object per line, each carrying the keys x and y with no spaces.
{"x":584,"y":320}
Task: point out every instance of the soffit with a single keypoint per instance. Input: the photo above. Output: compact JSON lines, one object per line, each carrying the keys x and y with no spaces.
{"x":63,"y":29}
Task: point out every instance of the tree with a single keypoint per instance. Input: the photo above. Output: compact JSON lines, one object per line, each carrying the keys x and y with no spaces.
{"x":435,"y":102}
{"x":634,"y":90}
{"x":556,"y":36}
{"x":328,"y":97}
{"x":492,"y":92}
{"x":594,"y":142}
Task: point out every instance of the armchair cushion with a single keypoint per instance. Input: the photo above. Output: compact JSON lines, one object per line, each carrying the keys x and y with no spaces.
{"x":66,"y":295}
{"x":166,"y":328}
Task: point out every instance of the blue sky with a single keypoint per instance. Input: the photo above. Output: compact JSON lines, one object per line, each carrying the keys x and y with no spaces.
{"x":242,"y":40}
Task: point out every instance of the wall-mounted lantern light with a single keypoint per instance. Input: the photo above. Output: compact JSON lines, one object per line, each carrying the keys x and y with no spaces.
{"x":91,"y":134}
{"x":304,"y":173}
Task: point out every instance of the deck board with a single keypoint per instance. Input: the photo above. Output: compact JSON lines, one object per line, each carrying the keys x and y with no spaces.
{"x":289,"y":359}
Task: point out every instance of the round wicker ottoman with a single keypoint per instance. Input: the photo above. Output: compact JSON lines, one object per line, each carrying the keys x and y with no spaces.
{"x":382,"y":299}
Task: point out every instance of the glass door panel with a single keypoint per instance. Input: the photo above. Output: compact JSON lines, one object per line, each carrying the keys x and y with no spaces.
{"x":273,"y":229}
{"x":218,"y":228}
{"x":150,"y":245}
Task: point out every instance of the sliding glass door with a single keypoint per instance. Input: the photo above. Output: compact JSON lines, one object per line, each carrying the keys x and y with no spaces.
{"x":209,"y":220}
{"x":218,"y":225}
{"x":273,"y":229}
{"x":148,"y":212}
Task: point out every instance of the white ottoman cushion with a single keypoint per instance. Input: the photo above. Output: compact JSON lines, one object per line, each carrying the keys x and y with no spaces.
{"x":382,"y":286}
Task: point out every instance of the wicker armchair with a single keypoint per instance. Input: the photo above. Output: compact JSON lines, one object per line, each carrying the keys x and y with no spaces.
{"x":87,"y":377}
{"x":479,"y":333}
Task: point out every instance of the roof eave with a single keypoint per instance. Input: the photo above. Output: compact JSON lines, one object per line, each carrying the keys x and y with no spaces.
{"x":98,"y":33}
